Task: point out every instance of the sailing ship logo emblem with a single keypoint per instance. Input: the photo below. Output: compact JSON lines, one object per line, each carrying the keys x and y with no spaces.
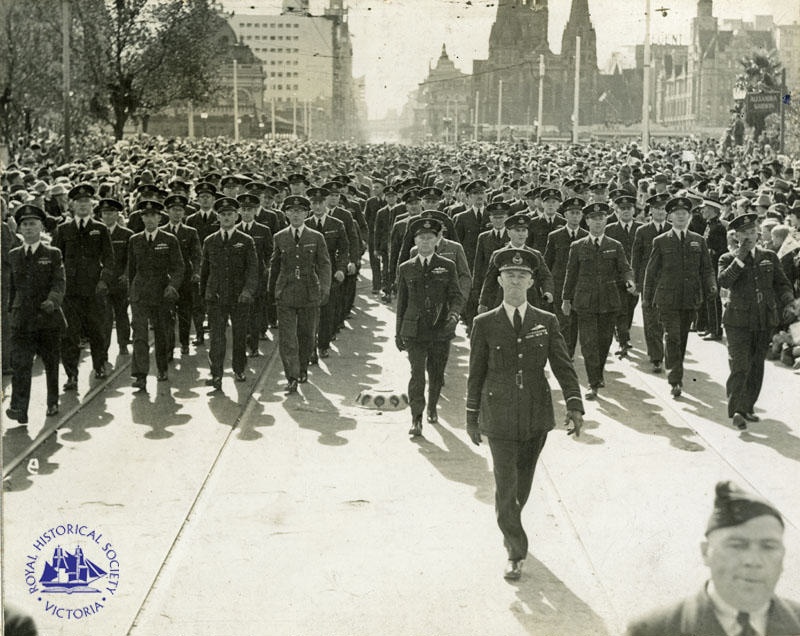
{"x":70,"y":573}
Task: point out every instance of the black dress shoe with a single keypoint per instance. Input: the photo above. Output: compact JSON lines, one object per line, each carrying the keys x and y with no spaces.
{"x":751,"y":417}
{"x":325,"y":353}
{"x":162,"y":376}
{"x":433,"y":416}
{"x":592,"y":393}
{"x":303,"y":377}
{"x":198,"y":341}
{"x":100,"y":374}
{"x":216,"y":382}
{"x":416,"y":426}
{"x":513,"y":571}
{"x":713,"y":336}
{"x":657,"y":368}
{"x":254,"y":353}
{"x":314,"y":359}
{"x":14,"y":414}
{"x":676,"y":390}
{"x":52,"y":410}
{"x":601,"y":384}
{"x":240,"y":377}
{"x":71,"y":384}
{"x":139,"y":383}
{"x":739,"y":421}
{"x":291,"y":387}
{"x":123,"y":350}
{"x":184,"y":350}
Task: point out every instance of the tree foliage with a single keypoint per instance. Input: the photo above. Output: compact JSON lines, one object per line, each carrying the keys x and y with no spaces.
{"x":761,"y":72}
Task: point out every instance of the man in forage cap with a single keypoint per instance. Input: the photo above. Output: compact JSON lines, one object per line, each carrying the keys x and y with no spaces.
{"x":744,"y":551}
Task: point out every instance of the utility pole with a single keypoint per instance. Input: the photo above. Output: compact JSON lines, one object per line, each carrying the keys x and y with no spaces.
{"x":783,"y":105}
{"x":272,"y":115}
{"x":540,"y":110}
{"x":499,"y":107}
{"x":294,"y":116}
{"x":646,"y":83}
{"x":191,"y":119}
{"x":66,"y":28}
{"x":235,"y":102}
{"x":475,"y":129}
{"x":577,"y":95}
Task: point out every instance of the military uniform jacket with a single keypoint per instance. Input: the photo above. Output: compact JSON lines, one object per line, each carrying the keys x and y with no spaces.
{"x":540,"y":228}
{"x":678,"y":274}
{"x":228,"y":269}
{"x":335,"y":239}
{"x":594,"y":276}
{"x":642,"y":246}
{"x":353,"y":240}
{"x":275,"y":220}
{"x":507,"y":382}
{"x":468,"y":226}
{"x":716,"y":236}
{"x":757,"y":291}
{"x":488,"y":243}
{"x":371,"y":208}
{"x":453,"y":251}
{"x":426,"y":299}
{"x":88,"y":255}
{"x":556,"y":255}
{"x":617,"y":232}
{"x":190,"y":250}
{"x":205,"y":226}
{"x":136,"y":224}
{"x":119,"y":239}
{"x":33,"y":280}
{"x":300,"y":275}
{"x":262,"y":237}
{"x":695,"y":616}
{"x":151,"y":267}
{"x":492,"y":295}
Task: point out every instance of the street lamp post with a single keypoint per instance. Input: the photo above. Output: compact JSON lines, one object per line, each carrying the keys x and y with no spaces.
{"x":204,"y":117}
{"x":646,"y":82}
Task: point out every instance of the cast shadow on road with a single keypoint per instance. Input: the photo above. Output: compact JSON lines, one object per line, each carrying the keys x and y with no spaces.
{"x":94,"y":415}
{"x":311,"y":409}
{"x":160,"y":414}
{"x":628,"y":405}
{"x":546,"y":605}
{"x":15,"y":441}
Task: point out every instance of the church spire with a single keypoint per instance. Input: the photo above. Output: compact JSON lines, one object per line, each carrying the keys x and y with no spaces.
{"x":580,"y":24}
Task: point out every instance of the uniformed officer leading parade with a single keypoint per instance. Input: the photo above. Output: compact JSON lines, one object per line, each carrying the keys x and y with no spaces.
{"x":508,"y":397}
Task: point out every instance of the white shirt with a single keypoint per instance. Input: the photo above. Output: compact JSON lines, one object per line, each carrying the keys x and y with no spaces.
{"x":740,"y":262}
{"x":422,"y":260}
{"x":150,"y":235}
{"x":32,"y":247}
{"x":595,"y":239}
{"x":509,"y":309}
{"x":677,"y":233}
{"x":572,"y":233}
{"x":726,"y":615}
{"x":174,"y":228}
{"x":81,"y":221}
{"x":297,"y":231}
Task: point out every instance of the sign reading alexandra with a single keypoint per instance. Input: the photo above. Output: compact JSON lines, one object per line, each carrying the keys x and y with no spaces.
{"x":72,"y":571}
{"x":763,"y":103}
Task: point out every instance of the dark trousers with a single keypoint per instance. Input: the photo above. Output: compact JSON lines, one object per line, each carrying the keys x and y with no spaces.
{"x":199,"y":315}
{"x":596,"y":332}
{"x":471,"y":307}
{"x":84,"y":314}
{"x":257,"y":322}
{"x":653,"y":333}
{"x":569,"y":327}
{"x":746,"y":352}
{"x":625,"y":316}
{"x":713,"y":309}
{"x":182,"y":314}
{"x":430,"y":356}
{"x":218,"y":316}
{"x":117,"y":314}
{"x":296,"y":327}
{"x":375,"y":266}
{"x":386,"y":282}
{"x":143,"y":316}
{"x":25,"y":345}
{"x":676,"y":333}
{"x":348,"y":295}
{"x":514,"y":464}
{"x":328,"y":316}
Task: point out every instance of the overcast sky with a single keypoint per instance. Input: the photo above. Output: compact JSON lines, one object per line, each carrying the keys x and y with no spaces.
{"x":395,"y":40}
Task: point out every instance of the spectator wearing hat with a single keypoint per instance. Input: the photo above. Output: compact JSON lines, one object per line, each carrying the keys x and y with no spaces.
{"x":759,"y":294}
{"x":429,"y":302}
{"x":744,"y":551}
{"x":299,"y":279}
{"x":262,"y":237}
{"x":541,"y":293}
{"x":88,"y":255}
{"x":677,"y":279}
{"x":715,"y":234}
{"x":228,"y":284}
{"x":333,"y":230}
{"x":548,"y":221}
{"x":595,"y":267}
{"x":508,"y":397}
{"x":155,"y":272}
{"x":56,"y":206}
{"x":189,"y":241}
{"x":205,"y":222}
{"x":36,"y":289}
{"x":624,"y":231}
{"x":556,"y":255}
{"x":118,"y":298}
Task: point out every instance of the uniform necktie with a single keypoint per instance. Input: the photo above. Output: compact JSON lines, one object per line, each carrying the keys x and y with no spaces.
{"x":517,"y":320}
{"x":28,"y":253}
{"x":425,"y":265}
{"x":682,"y":235}
{"x":743,"y":618}
{"x":658,"y":229}
{"x":224,"y":238}
{"x":297,"y":237}
{"x":597,"y":243}
{"x":150,"y":239}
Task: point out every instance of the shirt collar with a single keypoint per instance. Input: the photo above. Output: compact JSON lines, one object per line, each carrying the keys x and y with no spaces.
{"x":594,"y":238}
{"x":726,"y":614}
{"x":676,"y":233}
{"x":32,"y":246}
{"x":297,"y":230}
{"x":152,"y":234}
{"x":509,"y":309}
{"x":422,"y":259}
{"x":79,"y":220}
